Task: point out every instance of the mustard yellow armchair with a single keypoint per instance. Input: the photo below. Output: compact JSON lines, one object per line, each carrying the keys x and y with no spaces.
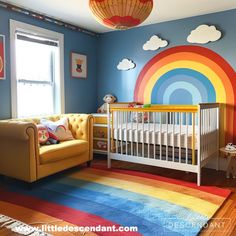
{"x":22,"y":158}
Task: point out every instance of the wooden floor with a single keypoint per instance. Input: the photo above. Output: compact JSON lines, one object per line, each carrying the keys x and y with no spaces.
{"x":225,"y":222}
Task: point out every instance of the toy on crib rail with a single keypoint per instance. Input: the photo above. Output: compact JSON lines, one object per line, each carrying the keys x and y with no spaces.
{"x":108,"y":99}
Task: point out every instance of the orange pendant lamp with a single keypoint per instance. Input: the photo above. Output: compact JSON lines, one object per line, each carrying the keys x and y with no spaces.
{"x":121,"y":14}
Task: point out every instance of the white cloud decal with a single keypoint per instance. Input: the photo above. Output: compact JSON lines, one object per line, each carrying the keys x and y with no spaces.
{"x":126,"y":64}
{"x":154,"y":43}
{"x":204,"y":34}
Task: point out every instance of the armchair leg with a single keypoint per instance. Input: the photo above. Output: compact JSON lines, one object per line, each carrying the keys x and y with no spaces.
{"x":31,"y":186}
{"x":2,"y":177}
{"x":88,"y":163}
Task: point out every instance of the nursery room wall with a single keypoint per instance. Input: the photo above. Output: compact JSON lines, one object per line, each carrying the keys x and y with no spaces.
{"x":114,"y":46}
{"x":77,"y":97}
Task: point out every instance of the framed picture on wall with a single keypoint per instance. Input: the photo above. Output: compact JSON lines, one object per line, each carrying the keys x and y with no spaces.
{"x":78,"y":65}
{"x":2,"y":57}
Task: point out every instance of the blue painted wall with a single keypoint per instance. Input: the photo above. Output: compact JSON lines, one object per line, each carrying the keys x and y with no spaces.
{"x":105,"y":52}
{"x":80,"y":95}
{"x":115,"y":46}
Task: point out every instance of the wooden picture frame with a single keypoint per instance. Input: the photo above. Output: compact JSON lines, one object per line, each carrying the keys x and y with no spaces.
{"x":78,"y":65}
{"x":2,"y":58}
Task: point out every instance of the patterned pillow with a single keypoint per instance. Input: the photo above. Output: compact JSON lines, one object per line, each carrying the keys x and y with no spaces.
{"x":43,"y":134}
{"x":58,"y":128}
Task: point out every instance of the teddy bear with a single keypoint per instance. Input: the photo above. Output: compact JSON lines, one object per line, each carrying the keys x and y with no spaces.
{"x":108,"y":99}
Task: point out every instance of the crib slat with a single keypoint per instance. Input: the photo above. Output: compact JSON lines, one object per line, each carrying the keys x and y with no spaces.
{"x":132,"y":146}
{"x":112,"y":131}
{"x":180,"y":129}
{"x":193,"y":139}
{"x":137,"y":134}
{"x":205,"y":138}
{"x":126,"y":132}
{"x":143,"y":134}
{"x":173,"y":137}
{"x":205,"y":131}
{"x":121,"y":124}
{"x":160,"y":134}
{"x":208,"y":129}
{"x":167,"y":136}
{"x":117,"y":130}
{"x":217,"y":130}
{"x":148,"y":117}
{"x":154,"y":135}
{"x":203,"y":134}
{"x":187,"y":121}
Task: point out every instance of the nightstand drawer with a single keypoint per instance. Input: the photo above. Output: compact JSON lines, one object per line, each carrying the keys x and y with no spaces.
{"x":99,"y":132}
{"x":100,"y":120}
{"x":100,"y":145}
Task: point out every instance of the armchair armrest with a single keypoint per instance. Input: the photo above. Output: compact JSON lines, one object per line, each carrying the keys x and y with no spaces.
{"x":19,"y":150}
{"x":81,"y":126}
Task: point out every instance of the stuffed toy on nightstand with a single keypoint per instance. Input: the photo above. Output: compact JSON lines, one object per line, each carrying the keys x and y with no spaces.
{"x":108,"y":99}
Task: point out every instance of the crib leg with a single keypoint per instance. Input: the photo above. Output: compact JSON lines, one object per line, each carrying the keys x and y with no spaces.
{"x":199,"y":177}
{"x":108,"y":161}
{"x":217,"y":161}
{"x":88,"y":163}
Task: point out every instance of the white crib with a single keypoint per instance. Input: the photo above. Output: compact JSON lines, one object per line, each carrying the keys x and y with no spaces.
{"x":181,"y":137}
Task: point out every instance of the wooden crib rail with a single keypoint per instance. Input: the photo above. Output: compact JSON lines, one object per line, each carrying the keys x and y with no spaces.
{"x":159,"y":108}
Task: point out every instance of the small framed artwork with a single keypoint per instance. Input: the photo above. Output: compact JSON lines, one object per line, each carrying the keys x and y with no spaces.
{"x":2,"y":57}
{"x":78,"y":65}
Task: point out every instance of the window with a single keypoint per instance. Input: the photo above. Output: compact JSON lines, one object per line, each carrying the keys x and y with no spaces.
{"x":37,"y":79}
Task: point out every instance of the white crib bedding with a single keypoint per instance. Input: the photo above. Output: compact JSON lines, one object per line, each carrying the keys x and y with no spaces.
{"x":177,"y":136}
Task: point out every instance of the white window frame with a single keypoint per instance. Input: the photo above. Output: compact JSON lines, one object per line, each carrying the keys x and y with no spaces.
{"x":31,"y":29}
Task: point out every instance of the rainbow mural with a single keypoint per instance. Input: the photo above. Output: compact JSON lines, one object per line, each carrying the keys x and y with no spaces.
{"x":191,"y":75}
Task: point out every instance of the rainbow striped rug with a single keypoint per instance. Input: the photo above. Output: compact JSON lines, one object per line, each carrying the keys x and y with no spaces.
{"x":101,"y":197}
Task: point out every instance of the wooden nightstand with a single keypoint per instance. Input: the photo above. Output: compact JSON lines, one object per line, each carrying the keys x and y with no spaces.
{"x":100,"y":133}
{"x":231,"y":162}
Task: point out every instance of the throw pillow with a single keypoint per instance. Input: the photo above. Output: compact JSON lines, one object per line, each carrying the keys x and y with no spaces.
{"x":43,"y":134}
{"x":58,"y":128}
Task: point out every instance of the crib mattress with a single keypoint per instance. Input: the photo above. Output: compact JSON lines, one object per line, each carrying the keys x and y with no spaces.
{"x":177,"y":136}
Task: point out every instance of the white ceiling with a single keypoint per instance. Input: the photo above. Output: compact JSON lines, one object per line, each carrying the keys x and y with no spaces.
{"x":77,"y":11}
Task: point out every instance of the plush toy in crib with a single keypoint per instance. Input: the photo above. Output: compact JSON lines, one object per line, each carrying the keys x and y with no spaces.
{"x":108,"y":99}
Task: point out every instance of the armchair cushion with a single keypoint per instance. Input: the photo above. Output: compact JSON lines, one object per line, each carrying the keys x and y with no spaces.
{"x":63,"y":150}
